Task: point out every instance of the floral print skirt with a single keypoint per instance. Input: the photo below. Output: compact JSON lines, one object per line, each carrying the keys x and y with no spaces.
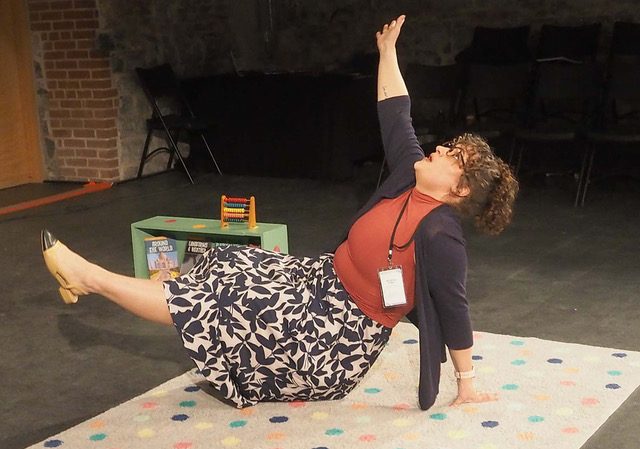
{"x":266,"y":326}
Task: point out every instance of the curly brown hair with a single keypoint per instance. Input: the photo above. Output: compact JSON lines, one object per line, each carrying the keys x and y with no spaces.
{"x":493,"y":187}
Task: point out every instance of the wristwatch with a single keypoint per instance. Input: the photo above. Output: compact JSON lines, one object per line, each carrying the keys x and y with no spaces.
{"x":465,"y":374}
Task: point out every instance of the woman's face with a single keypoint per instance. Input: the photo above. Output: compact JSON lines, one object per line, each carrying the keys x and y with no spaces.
{"x":438,"y":174}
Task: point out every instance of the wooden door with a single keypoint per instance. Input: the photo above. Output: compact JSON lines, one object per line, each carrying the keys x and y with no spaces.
{"x":20,"y":158}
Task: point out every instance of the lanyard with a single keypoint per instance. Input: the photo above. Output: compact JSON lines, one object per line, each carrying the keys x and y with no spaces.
{"x":395,"y":228}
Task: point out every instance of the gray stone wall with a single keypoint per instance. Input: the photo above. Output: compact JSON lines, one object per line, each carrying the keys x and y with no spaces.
{"x":199,"y":37}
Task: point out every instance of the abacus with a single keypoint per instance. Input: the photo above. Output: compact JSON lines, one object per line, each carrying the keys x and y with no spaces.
{"x":238,"y":210}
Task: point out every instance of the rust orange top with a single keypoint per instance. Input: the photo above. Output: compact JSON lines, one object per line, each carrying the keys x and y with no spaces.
{"x":358,"y":259}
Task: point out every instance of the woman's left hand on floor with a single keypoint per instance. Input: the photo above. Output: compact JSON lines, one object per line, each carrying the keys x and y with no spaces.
{"x":468,"y":394}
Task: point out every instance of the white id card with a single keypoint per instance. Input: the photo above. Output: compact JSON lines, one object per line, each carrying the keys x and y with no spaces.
{"x":392,"y":287}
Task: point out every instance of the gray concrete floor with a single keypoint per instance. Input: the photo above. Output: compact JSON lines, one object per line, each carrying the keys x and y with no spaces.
{"x":558,"y":273}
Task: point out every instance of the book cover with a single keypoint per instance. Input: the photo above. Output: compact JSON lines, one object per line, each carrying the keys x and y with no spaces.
{"x":192,"y":252}
{"x":162,"y":258}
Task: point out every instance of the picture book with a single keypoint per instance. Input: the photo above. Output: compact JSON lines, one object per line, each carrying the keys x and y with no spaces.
{"x":193,"y":251}
{"x":162,"y":258}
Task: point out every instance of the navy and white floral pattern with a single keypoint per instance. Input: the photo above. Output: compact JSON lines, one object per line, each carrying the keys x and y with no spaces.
{"x":265,"y":326}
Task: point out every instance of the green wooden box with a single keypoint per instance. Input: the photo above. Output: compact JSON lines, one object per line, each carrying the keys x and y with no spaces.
{"x":269,"y":236}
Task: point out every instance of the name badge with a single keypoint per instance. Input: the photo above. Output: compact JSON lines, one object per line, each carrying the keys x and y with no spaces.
{"x":392,"y":287}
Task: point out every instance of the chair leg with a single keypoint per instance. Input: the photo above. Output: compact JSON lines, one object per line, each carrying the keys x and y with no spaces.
{"x":512,"y":151}
{"x":587,"y":178}
{"x":206,"y":144}
{"x":583,"y":169}
{"x":176,"y":152}
{"x":176,"y":139}
{"x":520,"y":151}
{"x":143,"y":159}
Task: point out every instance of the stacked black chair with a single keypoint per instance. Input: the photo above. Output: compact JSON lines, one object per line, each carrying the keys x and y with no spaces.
{"x":565,"y":92}
{"x":172,"y":115}
{"x":496,"y":68}
{"x":619,"y":116}
{"x":435,"y":98}
{"x":494,"y":98}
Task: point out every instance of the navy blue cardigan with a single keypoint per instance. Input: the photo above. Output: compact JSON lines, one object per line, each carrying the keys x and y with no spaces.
{"x":441,"y":311}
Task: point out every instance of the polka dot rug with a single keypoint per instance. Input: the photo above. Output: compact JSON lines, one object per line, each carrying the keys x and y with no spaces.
{"x":551,"y":395}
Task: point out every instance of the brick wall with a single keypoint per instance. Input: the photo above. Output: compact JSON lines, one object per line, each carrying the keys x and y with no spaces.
{"x":93,"y":111}
{"x":75,"y":83}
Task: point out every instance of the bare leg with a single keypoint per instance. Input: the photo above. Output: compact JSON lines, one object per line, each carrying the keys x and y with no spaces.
{"x":142,"y":297}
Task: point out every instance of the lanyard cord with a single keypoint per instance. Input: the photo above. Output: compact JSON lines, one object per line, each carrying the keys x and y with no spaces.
{"x":395,"y":228}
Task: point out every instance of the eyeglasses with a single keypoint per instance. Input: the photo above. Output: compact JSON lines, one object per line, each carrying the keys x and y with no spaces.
{"x":456,"y":153}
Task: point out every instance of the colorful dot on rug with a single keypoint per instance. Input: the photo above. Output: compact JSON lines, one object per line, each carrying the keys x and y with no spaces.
{"x":490,"y":424}
{"x":457,"y":434}
{"x":179,"y":417}
{"x":98,"y":437}
{"x":278,"y":419}
{"x":230,"y":441}
{"x":236,"y":424}
{"x":402,"y":422}
{"x":297,"y":404}
{"x":53,"y":443}
{"x":276,"y":436}
{"x":182,"y":445}
{"x":146,"y":433}
{"x":526,"y":436}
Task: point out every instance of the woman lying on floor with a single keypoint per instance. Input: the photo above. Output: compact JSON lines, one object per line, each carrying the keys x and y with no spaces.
{"x":265,"y":326}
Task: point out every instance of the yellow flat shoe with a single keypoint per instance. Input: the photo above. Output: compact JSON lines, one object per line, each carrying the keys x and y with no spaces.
{"x":50,"y":247}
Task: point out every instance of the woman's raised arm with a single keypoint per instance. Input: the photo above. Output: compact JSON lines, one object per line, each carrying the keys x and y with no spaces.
{"x":390,"y":81}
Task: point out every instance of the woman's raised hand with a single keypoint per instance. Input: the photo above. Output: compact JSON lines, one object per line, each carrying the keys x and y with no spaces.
{"x":387,"y":38}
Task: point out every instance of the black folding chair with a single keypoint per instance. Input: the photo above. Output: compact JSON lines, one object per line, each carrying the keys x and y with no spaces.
{"x":435,"y":98}
{"x":570,"y":43}
{"x":497,"y":46}
{"x":171,"y":115}
{"x":566,"y":88}
{"x":494,"y":98}
{"x":563,"y":105}
{"x":619,"y":117}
